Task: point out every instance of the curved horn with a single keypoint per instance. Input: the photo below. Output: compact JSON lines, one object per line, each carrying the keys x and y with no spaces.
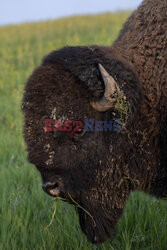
{"x":111,"y":92}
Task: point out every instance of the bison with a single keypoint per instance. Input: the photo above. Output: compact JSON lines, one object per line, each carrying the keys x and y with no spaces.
{"x":125,"y":82}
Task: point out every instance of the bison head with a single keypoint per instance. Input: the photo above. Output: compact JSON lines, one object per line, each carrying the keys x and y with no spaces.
{"x":85,"y":168}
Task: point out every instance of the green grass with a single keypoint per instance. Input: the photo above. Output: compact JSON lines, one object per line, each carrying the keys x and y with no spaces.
{"x":25,"y":210}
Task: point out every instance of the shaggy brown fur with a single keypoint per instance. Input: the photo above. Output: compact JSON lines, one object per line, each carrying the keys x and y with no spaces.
{"x":100,"y":170}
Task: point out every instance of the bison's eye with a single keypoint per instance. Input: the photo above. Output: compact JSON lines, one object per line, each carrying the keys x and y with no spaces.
{"x":78,"y":133}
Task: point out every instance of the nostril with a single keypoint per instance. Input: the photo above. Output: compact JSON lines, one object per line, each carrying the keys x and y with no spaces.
{"x":56,"y":185}
{"x":47,"y":185}
{"x":51,"y":188}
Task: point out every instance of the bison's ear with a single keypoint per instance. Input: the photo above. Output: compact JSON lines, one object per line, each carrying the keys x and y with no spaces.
{"x":111,"y":94}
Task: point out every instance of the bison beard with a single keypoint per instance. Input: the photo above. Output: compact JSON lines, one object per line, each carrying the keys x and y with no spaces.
{"x":100,"y":227}
{"x":99,"y":170}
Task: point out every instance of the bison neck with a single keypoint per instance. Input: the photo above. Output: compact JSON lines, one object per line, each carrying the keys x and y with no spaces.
{"x":142,"y":42}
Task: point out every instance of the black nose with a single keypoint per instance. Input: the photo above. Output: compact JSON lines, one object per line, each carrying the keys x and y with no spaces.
{"x":51,"y":188}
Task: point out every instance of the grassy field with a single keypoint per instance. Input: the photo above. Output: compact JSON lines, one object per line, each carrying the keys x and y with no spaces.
{"x":25,"y":210}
